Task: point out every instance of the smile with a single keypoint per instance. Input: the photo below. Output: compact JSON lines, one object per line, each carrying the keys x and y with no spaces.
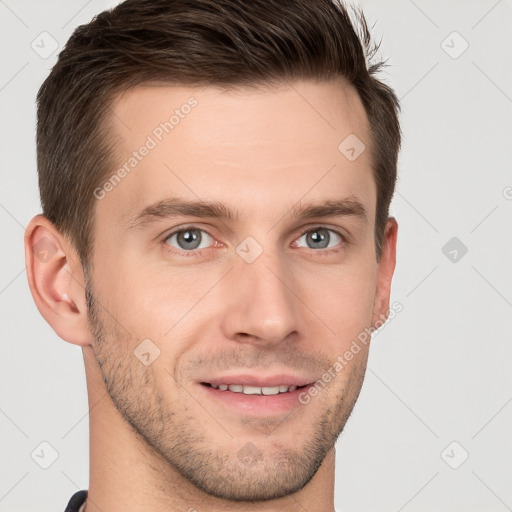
{"x":254,"y":390}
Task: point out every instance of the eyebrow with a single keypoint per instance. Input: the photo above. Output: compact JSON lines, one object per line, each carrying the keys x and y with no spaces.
{"x":174,"y":207}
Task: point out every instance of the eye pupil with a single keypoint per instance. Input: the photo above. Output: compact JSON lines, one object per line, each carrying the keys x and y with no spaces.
{"x":319,"y":236}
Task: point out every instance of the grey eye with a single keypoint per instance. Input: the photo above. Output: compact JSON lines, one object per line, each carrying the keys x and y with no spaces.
{"x":188,"y":239}
{"x":319,"y":238}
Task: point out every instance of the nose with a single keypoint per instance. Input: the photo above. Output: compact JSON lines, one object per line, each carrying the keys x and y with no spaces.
{"x":262,"y":307}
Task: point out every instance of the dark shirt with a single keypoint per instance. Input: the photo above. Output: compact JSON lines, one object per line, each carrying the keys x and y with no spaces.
{"x":76,"y":501}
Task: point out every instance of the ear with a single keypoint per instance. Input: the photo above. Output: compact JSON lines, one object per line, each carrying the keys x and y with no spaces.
{"x":386,"y":267}
{"x":56,"y":280}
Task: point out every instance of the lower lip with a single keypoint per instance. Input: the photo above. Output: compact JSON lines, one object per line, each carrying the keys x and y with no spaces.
{"x":261,"y":405}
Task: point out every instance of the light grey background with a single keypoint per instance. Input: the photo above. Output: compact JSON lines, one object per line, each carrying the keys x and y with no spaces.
{"x":440,"y":372}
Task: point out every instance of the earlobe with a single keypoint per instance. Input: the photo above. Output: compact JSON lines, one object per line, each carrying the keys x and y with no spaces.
{"x":386,"y":268}
{"x":56,"y":280}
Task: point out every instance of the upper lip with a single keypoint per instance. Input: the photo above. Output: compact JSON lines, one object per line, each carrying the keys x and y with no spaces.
{"x":281,"y":379}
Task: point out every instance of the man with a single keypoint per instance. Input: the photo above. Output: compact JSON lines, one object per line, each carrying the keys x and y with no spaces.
{"x":215,"y":180}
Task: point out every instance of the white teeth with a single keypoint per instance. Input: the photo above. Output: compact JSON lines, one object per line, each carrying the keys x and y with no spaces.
{"x":254,"y":390}
{"x":250,"y":390}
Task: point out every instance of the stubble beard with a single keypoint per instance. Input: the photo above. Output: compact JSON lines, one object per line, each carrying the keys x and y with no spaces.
{"x":180,"y":440}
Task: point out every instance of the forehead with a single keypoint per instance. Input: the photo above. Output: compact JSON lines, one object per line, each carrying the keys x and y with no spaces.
{"x":253,"y":148}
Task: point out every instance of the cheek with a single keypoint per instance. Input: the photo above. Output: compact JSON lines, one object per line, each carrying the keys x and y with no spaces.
{"x":342,"y":298}
{"x":161,"y":303}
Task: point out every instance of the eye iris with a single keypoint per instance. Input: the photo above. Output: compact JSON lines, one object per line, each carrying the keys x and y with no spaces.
{"x":189,"y":239}
{"x":319,"y":236}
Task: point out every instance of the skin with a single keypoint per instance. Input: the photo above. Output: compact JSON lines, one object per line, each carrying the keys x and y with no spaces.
{"x":156,"y":441}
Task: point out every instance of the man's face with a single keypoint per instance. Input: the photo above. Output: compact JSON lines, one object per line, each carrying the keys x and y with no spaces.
{"x":266,"y":297}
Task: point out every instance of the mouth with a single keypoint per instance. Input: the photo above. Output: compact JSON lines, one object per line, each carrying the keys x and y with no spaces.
{"x":255,"y":390}
{"x":254,"y":401}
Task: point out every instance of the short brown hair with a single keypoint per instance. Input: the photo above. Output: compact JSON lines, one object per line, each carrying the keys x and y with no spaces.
{"x":196,"y":43}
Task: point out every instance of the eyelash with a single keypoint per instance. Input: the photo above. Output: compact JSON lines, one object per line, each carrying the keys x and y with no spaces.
{"x":198,"y":252}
